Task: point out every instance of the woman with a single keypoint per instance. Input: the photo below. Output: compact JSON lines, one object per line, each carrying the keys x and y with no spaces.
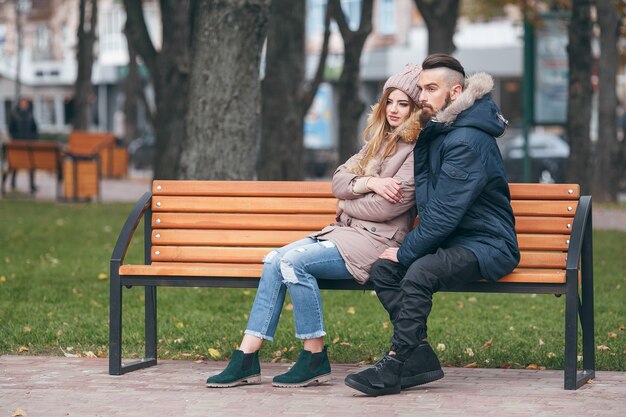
{"x":375,"y":211}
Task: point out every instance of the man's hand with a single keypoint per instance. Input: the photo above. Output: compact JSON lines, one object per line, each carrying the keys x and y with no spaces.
{"x":387,"y":188}
{"x":390,"y":254}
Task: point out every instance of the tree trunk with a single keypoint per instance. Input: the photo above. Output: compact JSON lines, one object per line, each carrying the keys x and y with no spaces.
{"x":84,"y":57}
{"x":440,"y":17}
{"x":169,"y":73}
{"x":580,"y":93}
{"x":350,"y":104}
{"x":282,"y":146}
{"x":224,"y":101}
{"x":132,"y":93}
{"x":609,"y":152}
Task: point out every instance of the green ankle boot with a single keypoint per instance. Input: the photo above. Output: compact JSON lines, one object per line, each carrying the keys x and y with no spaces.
{"x":310,"y":369}
{"x":243,"y":368}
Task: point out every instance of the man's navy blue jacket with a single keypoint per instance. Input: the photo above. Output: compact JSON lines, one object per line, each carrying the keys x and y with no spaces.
{"x":462,"y":195}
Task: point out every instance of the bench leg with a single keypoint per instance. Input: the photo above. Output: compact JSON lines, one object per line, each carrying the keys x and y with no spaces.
{"x":571,"y":332}
{"x":115,"y":324}
{"x":586,"y":308}
{"x":151,"y":322}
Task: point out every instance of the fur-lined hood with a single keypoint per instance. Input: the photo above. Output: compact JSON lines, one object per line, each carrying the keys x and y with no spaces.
{"x":474,"y":107}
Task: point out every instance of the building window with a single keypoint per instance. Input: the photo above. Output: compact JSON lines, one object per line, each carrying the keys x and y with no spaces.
{"x":387,"y":17}
{"x":47,"y":115}
{"x":111,"y":25}
{"x":42,"y":43}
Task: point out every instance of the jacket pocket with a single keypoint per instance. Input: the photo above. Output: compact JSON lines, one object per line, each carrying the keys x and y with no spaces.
{"x":454,"y":172}
{"x":384,"y":230}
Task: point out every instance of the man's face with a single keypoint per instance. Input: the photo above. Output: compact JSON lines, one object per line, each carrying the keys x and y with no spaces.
{"x":435,"y":95}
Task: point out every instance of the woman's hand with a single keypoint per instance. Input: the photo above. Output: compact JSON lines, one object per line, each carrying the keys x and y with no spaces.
{"x":390,"y":254}
{"x":338,"y":209}
{"x":387,"y":188}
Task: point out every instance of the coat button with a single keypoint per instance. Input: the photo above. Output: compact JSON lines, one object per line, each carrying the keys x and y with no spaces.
{"x":373,"y":229}
{"x":453,"y":173}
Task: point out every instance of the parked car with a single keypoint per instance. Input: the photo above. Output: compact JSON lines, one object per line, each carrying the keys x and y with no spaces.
{"x":548,"y":157}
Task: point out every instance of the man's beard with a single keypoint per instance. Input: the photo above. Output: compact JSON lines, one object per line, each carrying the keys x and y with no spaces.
{"x":429,"y":113}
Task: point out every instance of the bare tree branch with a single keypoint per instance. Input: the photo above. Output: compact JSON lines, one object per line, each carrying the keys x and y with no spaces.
{"x":137,"y":32}
{"x":311,"y":89}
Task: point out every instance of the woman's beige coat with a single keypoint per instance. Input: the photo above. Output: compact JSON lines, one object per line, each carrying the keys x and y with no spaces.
{"x":370,"y":224}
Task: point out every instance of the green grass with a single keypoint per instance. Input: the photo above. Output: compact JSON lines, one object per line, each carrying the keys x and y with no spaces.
{"x":54,"y":299}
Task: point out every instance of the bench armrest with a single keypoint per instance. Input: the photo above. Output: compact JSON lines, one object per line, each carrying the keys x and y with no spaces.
{"x":581,"y":227}
{"x":128,"y":230}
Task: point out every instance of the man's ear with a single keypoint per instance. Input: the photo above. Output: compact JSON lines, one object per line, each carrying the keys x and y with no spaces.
{"x":456,"y":90}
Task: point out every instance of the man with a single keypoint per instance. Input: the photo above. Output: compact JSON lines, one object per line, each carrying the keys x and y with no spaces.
{"x":466,"y":230}
{"x":22,"y":126}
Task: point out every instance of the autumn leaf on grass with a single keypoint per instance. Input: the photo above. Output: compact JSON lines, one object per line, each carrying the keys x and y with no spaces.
{"x":180,"y":325}
{"x":3,"y":279}
{"x":367,"y":361}
{"x":612,"y":334}
{"x":385,"y":325}
{"x":603,"y":348}
{"x":441,"y":347}
{"x":471,"y":365}
{"x":22,"y":349}
{"x":26,"y":329}
{"x":541,"y":342}
{"x":345,"y":344}
{"x":622,"y":328}
{"x":89,"y":355}
{"x":469,"y":352}
{"x":335,"y":340}
{"x":103,"y":275}
{"x":551,"y":355}
{"x":214,"y":353}
{"x":535,"y":367}
{"x":488,"y":343}
{"x":69,"y":355}
{"x":351,"y":310}
{"x":459,"y":304}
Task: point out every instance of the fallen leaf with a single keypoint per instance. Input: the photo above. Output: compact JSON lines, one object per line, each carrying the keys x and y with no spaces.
{"x":367,"y":361}
{"x":89,"y":355}
{"x":472,"y":299}
{"x":214,"y":353}
{"x":469,"y":352}
{"x":351,"y":310}
{"x":103,"y":275}
{"x":101,"y":354}
{"x":345,"y":344}
{"x":180,"y":325}
{"x":488,"y":344}
{"x":602,"y":348}
{"x":246,"y":292}
{"x":59,"y":333}
{"x":22,"y":349}
{"x":591,"y":381}
{"x":289,"y":307}
{"x":69,"y":355}
{"x":535,"y":367}
{"x":441,"y":347}
{"x":274,"y":360}
{"x":512,"y":328}
{"x":505,"y":365}
{"x":198,"y":361}
{"x":471,"y":365}
{"x":385,"y":325}
{"x":278,"y":354}
{"x":611,"y":334}
{"x":19,"y":413}
{"x":541,"y":342}
{"x":3,"y":279}
{"x":459,"y":304}
{"x":622,"y":328}
{"x":26,"y":329}
{"x":95,"y":303}
{"x":335,"y":340}
{"x":551,"y":355}
{"x":624,"y":351}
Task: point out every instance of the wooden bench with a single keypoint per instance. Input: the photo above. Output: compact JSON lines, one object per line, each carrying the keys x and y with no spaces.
{"x":215,"y":234}
{"x":32,"y":155}
{"x":113,"y":159}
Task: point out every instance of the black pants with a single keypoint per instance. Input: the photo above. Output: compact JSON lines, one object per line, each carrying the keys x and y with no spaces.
{"x":407,"y":294}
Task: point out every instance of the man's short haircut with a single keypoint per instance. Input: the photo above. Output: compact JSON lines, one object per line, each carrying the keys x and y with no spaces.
{"x":446,"y":61}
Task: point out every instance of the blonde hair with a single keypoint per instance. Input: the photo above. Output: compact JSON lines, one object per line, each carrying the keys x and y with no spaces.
{"x":379,"y":132}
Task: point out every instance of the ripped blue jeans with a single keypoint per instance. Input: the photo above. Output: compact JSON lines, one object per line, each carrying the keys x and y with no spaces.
{"x":294,"y":268}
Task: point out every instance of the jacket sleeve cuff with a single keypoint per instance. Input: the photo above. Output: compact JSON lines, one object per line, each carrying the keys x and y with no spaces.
{"x":359,"y":186}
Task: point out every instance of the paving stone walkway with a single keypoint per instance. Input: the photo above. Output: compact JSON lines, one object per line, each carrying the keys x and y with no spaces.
{"x":79,"y":387}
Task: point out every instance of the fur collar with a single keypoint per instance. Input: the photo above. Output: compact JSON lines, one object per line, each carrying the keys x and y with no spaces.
{"x":476,"y":86}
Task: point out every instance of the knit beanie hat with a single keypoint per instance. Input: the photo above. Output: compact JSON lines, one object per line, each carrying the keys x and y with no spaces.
{"x":406,"y":81}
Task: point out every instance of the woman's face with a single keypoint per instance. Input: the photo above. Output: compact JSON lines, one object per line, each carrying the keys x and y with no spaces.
{"x":398,"y":108}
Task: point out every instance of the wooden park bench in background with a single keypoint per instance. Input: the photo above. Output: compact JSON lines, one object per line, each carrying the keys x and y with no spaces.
{"x":113,"y":158}
{"x":32,"y":155}
{"x":215,"y":234}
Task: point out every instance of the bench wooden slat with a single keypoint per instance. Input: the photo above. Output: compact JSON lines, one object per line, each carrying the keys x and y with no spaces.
{"x":544,"y":208}
{"x":527,"y":224}
{"x":186,"y":237}
{"x":284,"y":205}
{"x":544,"y":191}
{"x":254,"y":271}
{"x":542,"y":260}
{"x":242,"y":222}
{"x":542,"y":242}
{"x":241,"y":188}
{"x":208,"y":254}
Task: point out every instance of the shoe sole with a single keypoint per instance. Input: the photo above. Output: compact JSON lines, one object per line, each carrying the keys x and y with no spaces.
{"x":420,"y":379}
{"x":318,"y":380}
{"x":369,"y":391}
{"x":249,"y":380}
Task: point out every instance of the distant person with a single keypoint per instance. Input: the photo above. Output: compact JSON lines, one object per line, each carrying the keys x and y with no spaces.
{"x":375,"y":211}
{"x":22,"y":126}
{"x":466,"y":230}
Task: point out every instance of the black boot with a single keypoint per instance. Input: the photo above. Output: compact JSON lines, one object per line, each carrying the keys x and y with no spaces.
{"x":382,"y":379}
{"x":421,"y":367}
